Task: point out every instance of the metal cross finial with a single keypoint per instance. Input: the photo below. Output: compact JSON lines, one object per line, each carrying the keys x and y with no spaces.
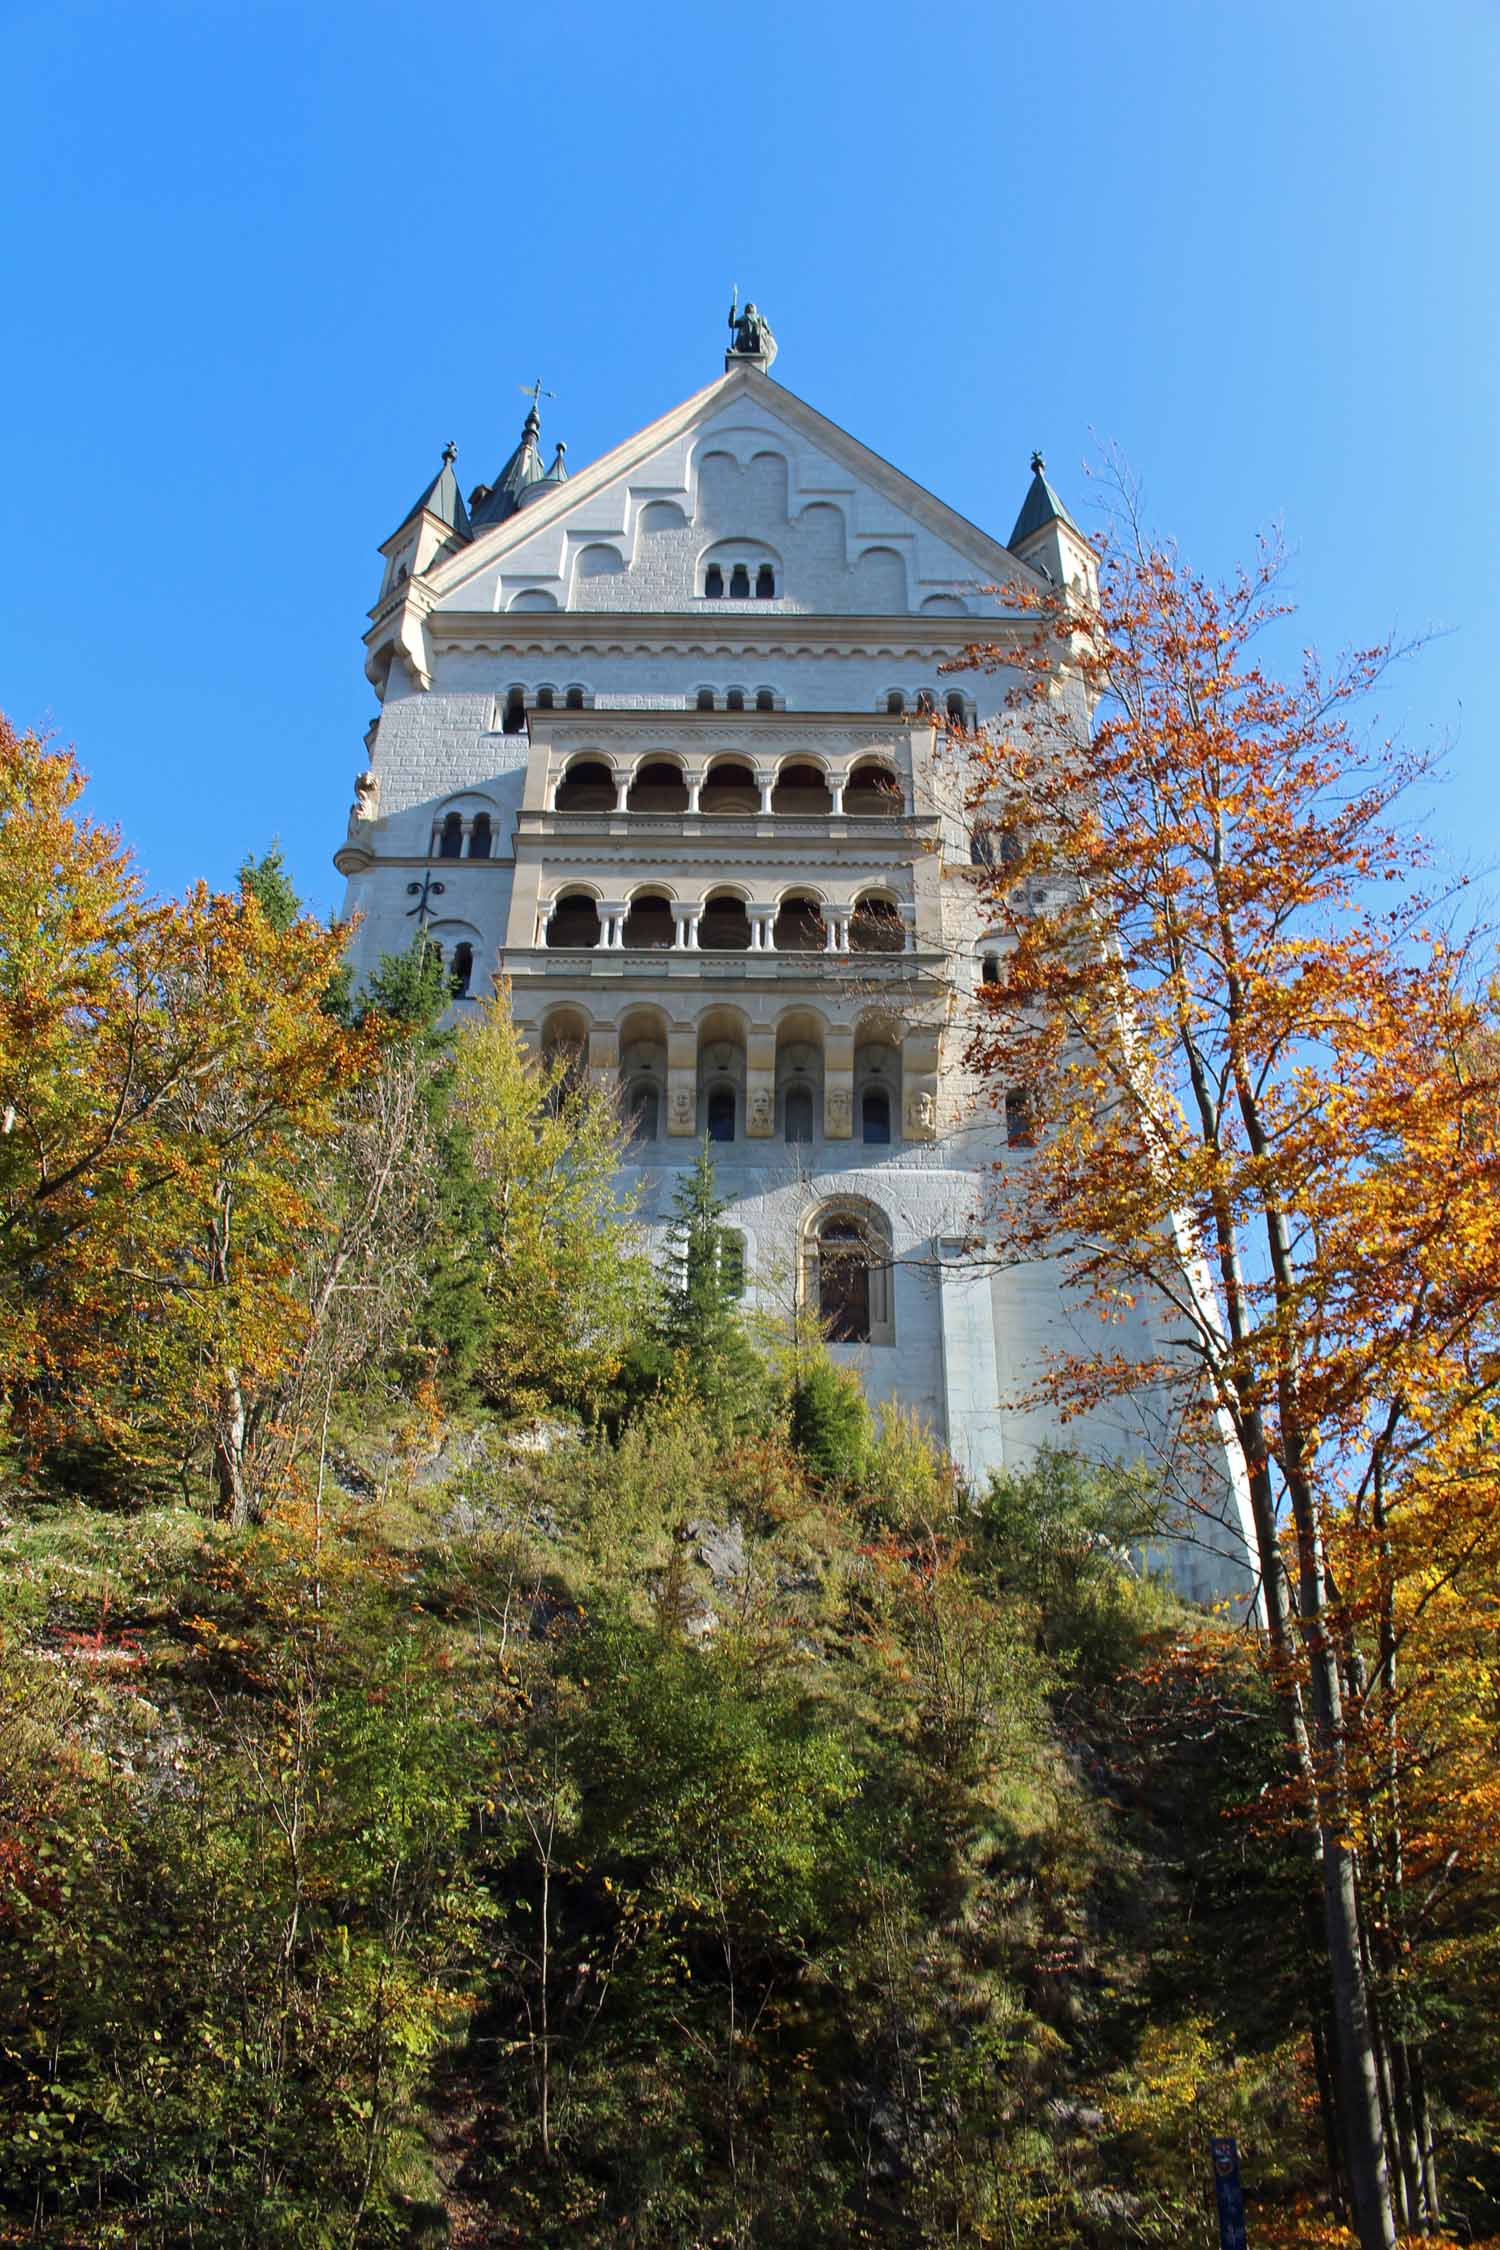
{"x":1038,"y":465}
{"x":534,"y":391}
{"x":450,"y":452}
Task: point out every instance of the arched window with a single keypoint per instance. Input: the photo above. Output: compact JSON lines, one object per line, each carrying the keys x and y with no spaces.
{"x":649,"y":926}
{"x":481,"y":837}
{"x":876,"y":926}
{"x":765,"y":583}
{"x":657,"y":787}
{"x":739,"y":583}
{"x":924,"y":703}
{"x":799,"y":926}
{"x":989,"y":969}
{"x":797,"y":1114}
{"x":720,"y":1114}
{"x":801,"y":788}
{"x":1020,"y":1132}
{"x":713,"y":583}
{"x":545,"y":699}
{"x":895,"y":704}
{"x":982,"y":845}
{"x":843,"y":1282}
{"x":846,"y":1274}
{"x":874,"y":791}
{"x":764,"y":699}
{"x":705,"y":699}
{"x":735,"y":700}
{"x":645,"y":1112}
{"x":513,"y":720}
{"x":461,"y":972}
{"x":451,"y":837}
{"x":587,"y":786}
{"x":956,"y":709}
{"x":875,"y":1120}
{"x":729,"y":787}
{"x":573,"y":700}
{"x":574,"y":921}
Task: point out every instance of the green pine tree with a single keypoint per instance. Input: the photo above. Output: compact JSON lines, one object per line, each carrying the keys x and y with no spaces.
{"x":699,"y":1328}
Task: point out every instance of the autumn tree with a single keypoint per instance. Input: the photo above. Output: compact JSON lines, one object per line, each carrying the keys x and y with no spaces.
{"x":562,"y":1271}
{"x":1259,"y":1091}
{"x":165,"y":1069}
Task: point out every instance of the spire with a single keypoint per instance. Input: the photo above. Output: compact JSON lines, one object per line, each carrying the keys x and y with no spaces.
{"x":523,"y":475}
{"x":1040,"y":507}
{"x":558,"y":473}
{"x":442,"y":497}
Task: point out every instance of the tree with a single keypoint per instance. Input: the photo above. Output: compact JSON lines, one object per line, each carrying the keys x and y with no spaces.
{"x":1261,"y":1097}
{"x":564,"y":1274}
{"x":699,"y":1326}
{"x":164,"y":1066}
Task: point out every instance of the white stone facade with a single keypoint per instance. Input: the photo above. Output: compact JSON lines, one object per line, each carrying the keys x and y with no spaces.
{"x":671,"y":740}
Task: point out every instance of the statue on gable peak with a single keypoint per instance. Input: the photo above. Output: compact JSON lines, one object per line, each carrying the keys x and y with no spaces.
{"x":751,"y":333}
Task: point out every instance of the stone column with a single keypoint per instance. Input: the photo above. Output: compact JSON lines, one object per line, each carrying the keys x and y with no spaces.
{"x":694,"y":787}
{"x":544,"y":915}
{"x":836,"y":784}
{"x":838,"y":1082}
{"x":761,"y":919}
{"x":612,"y":915}
{"x":760,"y":1082}
{"x":837,"y":919}
{"x":685,"y":926}
{"x":622,"y":790}
{"x":682,"y":1081}
{"x":765,"y":782}
{"x":604,"y":1054}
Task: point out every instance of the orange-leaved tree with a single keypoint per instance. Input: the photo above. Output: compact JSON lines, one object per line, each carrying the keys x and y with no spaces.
{"x":165,"y":1069}
{"x":1260,"y":1092}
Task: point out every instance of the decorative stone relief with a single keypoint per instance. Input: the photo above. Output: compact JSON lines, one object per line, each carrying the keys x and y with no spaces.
{"x":921,"y":1115}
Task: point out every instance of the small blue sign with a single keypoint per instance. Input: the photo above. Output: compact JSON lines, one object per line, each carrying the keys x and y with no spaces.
{"x":1228,"y":2193}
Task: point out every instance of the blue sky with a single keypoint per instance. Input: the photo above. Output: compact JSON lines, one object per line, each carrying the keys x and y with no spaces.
{"x":260,"y":261}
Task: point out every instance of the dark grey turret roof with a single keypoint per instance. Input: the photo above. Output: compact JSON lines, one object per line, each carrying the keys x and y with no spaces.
{"x":513,"y":485}
{"x":442,"y":498}
{"x":1040,"y":507}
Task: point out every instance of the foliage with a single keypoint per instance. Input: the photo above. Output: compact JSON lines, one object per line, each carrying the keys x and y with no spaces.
{"x":564,"y":1276}
{"x":1263,"y":1090}
{"x":830,"y":1423}
{"x":698,"y":1339}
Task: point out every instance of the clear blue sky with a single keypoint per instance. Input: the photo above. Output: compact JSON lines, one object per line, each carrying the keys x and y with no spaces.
{"x":261,"y":260}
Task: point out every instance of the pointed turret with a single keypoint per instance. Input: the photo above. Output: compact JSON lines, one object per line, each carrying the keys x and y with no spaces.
{"x":1046,"y":536}
{"x":1040,"y":507}
{"x":442,"y":497}
{"x":556,"y":475}
{"x":491,"y":504}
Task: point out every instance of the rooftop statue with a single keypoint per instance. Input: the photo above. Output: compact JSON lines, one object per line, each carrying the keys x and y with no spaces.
{"x":751,"y":332}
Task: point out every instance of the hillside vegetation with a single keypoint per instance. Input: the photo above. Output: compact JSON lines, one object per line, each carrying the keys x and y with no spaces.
{"x":497,"y":1749}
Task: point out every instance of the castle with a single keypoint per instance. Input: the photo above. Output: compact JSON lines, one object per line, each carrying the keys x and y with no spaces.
{"x":664,"y":745}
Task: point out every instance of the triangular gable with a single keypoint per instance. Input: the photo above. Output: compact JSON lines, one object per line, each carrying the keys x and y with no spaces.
{"x":975,"y":556}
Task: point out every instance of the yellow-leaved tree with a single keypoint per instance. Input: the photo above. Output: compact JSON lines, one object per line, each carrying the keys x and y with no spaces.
{"x":1259,"y":1079}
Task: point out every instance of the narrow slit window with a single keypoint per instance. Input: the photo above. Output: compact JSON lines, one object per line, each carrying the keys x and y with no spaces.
{"x":713,"y":583}
{"x":1020,"y":1131}
{"x":875,"y":1120}
{"x":720,"y":1117}
{"x":461,"y":974}
{"x":739,"y":583}
{"x":765,"y":583}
